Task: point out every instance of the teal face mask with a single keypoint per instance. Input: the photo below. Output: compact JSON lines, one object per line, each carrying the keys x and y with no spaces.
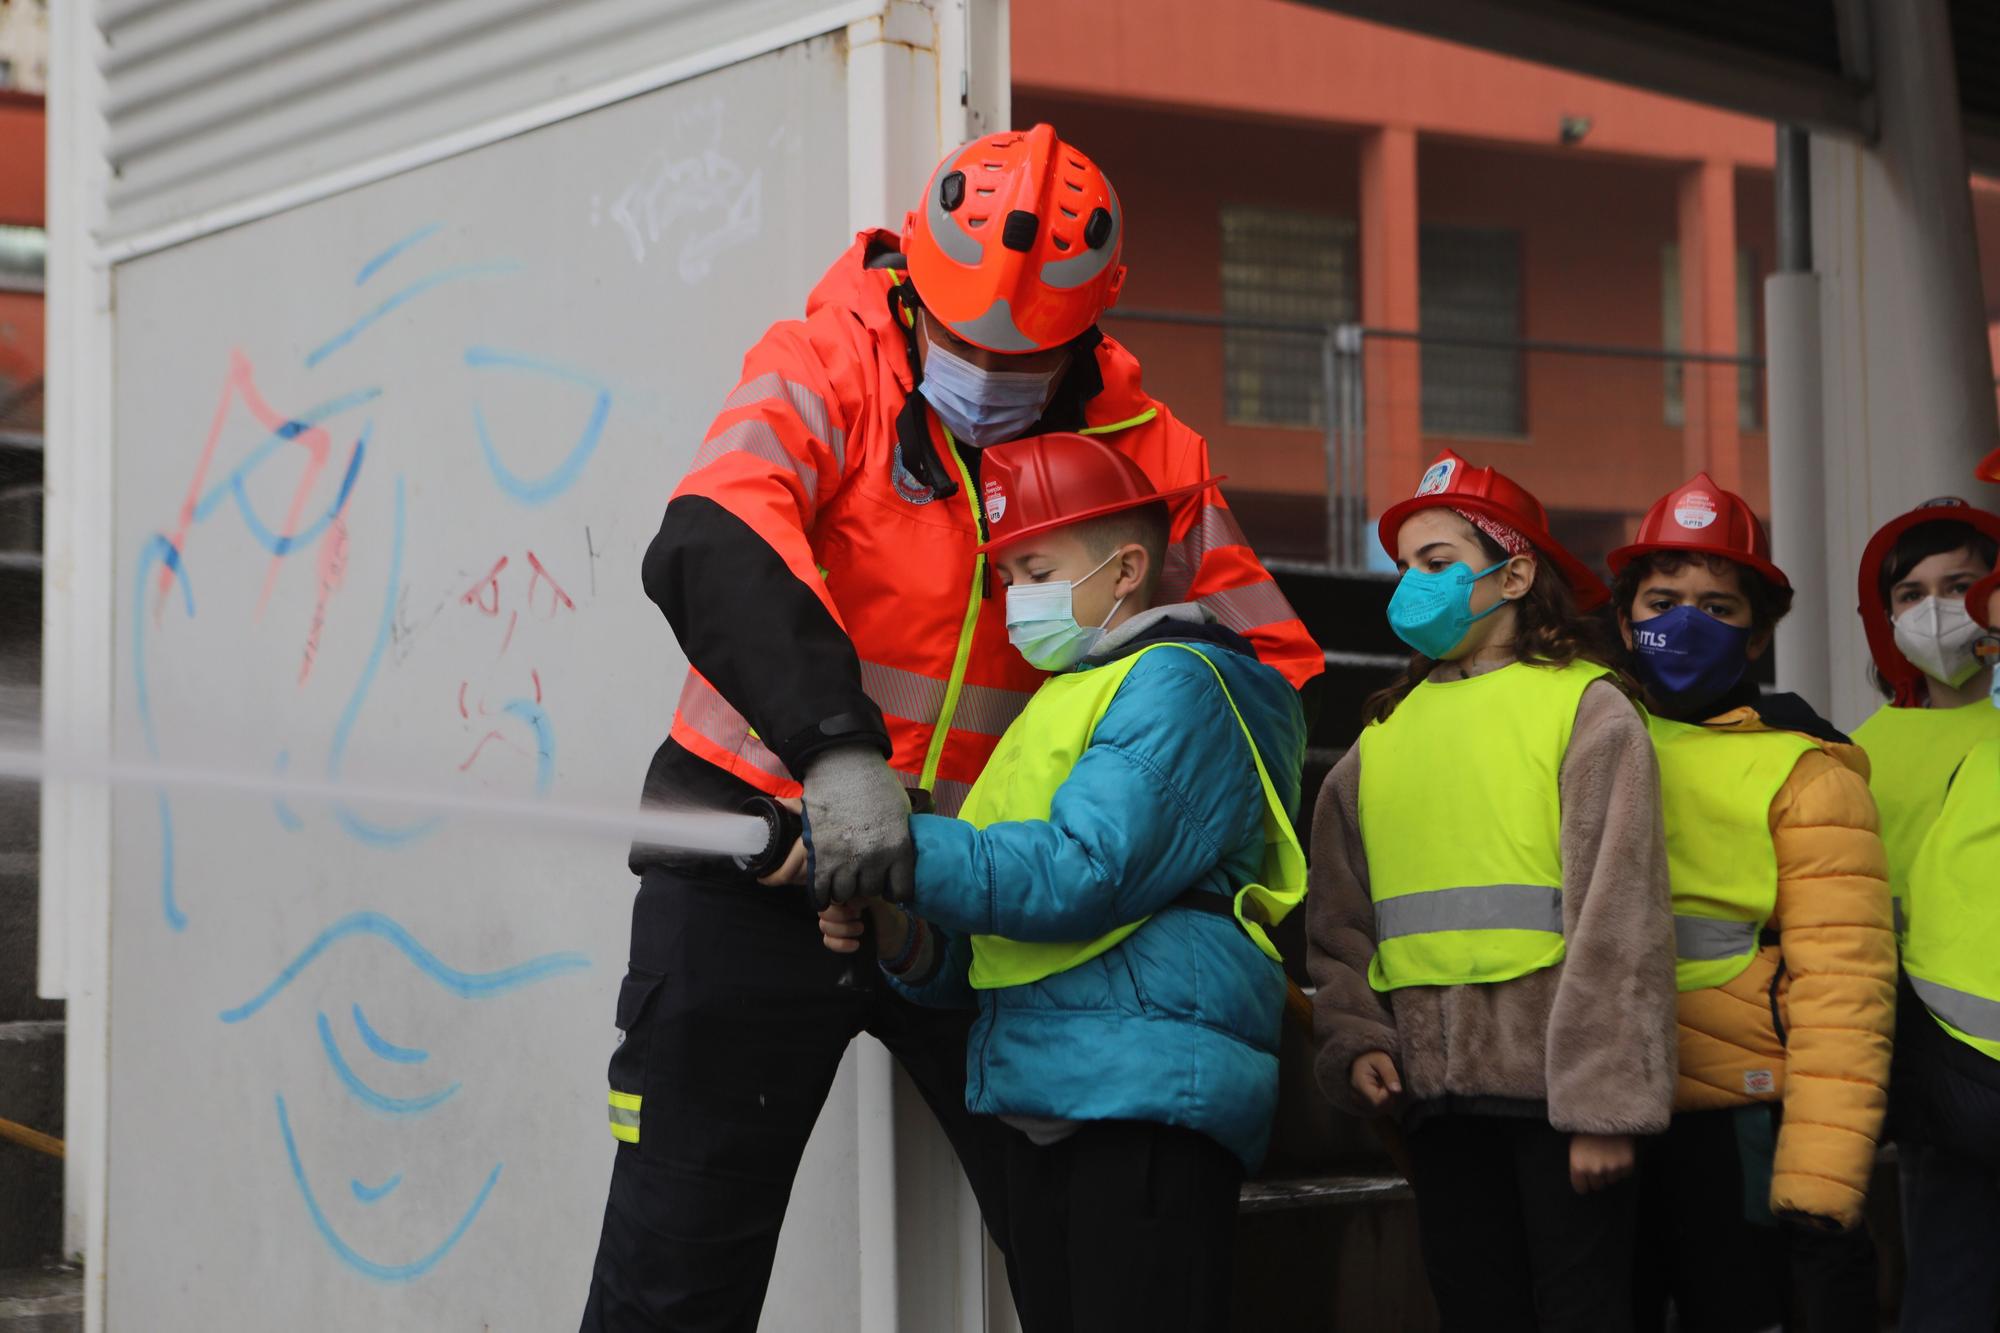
{"x":1041,"y":621}
{"x":1432,"y":611}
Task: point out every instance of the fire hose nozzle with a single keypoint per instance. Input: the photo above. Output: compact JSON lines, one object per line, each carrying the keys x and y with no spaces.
{"x":786,"y":827}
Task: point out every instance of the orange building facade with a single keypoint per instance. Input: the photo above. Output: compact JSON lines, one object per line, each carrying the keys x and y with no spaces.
{"x":23,"y":182}
{"x":1258,"y":146}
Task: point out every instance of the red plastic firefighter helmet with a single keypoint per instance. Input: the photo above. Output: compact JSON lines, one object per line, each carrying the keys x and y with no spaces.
{"x":1016,"y":246}
{"x":1452,"y":483}
{"x":1982,"y":601}
{"x":1049,"y":481}
{"x":1904,"y":678}
{"x":1699,"y":516}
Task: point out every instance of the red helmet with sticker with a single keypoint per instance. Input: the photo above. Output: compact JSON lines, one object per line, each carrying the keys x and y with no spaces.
{"x":1050,"y":481}
{"x":1700,"y":517}
{"x":1016,"y":246}
{"x":1453,"y":483}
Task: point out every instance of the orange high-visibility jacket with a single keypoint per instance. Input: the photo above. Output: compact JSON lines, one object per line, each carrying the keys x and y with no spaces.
{"x":824,"y":595}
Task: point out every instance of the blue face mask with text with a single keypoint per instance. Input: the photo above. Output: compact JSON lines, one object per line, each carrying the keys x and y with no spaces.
{"x":1687,"y":658}
{"x":1432,"y":611}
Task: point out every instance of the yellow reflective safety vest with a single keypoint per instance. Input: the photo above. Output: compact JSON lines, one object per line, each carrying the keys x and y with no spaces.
{"x":1912,"y":753}
{"x":1716,"y":789}
{"x":1033,"y":758}
{"x":1461,"y":820}
{"x":1952,"y":948}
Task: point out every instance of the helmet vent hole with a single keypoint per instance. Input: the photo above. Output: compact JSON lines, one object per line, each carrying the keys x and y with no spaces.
{"x":991,"y":166}
{"x":1074,"y":186}
{"x":1062,"y":242}
{"x":975,"y":222}
{"x":984,"y":189}
{"x":1069,"y":213}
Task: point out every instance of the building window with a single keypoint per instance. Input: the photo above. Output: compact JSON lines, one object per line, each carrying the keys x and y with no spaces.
{"x":1469,"y":286}
{"x":1281,"y":266}
{"x":1748,"y":378}
{"x":23,"y":257}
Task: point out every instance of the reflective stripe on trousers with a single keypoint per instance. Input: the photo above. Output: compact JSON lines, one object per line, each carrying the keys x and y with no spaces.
{"x":625,"y":1116}
{"x":1974,"y":1015}
{"x":1474,"y":907}
{"x":1701,"y":939}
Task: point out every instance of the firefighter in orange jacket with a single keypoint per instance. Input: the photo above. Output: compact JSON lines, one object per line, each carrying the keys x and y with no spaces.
{"x":819,"y":566}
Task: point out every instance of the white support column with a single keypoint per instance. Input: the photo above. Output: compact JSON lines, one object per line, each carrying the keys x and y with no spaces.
{"x":77,"y":594}
{"x":1798,"y":490}
{"x":1909,"y":406}
{"x":921,"y":78}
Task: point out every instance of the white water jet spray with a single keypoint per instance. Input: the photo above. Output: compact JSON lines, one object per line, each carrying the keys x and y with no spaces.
{"x":714,"y":833}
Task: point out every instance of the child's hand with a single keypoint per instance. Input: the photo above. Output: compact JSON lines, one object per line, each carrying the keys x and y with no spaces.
{"x":1375,"y":1080}
{"x":793,"y":871}
{"x":1599,"y":1161}
{"x":840,"y":925}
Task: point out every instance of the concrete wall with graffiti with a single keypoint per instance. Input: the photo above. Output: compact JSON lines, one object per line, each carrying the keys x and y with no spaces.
{"x":385,"y":468}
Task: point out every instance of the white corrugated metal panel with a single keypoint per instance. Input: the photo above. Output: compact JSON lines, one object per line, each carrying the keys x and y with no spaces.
{"x":210,"y":102}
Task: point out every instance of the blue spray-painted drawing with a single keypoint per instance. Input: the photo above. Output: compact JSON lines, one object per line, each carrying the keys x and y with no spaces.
{"x":341,"y":500}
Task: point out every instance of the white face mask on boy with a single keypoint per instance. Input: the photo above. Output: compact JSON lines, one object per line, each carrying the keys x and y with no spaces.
{"x":1041,"y":621}
{"x":1937,"y":636}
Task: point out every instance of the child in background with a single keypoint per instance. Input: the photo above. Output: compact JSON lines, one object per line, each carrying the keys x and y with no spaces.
{"x":1914,"y":575}
{"x":1489,"y":927}
{"x":1786,"y":960}
{"x":1948,"y":1061}
{"x":1102,"y":898}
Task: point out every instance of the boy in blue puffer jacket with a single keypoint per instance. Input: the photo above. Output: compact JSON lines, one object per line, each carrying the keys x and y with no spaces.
{"x":1102,"y":899}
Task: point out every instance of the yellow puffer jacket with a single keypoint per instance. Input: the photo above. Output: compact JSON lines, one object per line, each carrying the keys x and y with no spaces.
{"x":1830,"y":982}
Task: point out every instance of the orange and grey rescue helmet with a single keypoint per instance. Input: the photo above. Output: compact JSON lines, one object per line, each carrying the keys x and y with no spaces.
{"x":1016,"y":246}
{"x":1484,"y":492}
{"x":1699,"y":517}
{"x":1051,"y":481}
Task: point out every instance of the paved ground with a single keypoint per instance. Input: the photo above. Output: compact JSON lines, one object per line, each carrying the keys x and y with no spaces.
{"x":41,"y":1300}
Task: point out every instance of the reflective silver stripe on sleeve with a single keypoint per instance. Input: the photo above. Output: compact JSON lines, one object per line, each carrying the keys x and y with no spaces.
{"x":984,"y":709}
{"x":1249,"y":607}
{"x":756,"y":438}
{"x":948,"y":796}
{"x":627,"y":1118}
{"x":1701,"y":939}
{"x":810,"y":407}
{"x":1974,"y":1015}
{"x":904,"y":694}
{"x":722,"y":726}
{"x":1475,"y":907}
{"x":1213,"y":528}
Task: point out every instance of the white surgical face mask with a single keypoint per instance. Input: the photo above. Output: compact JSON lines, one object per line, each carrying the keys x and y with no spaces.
{"x":1041,"y":621}
{"x":980,"y":406}
{"x":1937,"y":636}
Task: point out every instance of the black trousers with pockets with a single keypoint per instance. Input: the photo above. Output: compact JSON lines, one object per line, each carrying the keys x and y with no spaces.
{"x":734,"y":1023}
{"x":1123,"y":1227}
{"x":1508,"y":1244}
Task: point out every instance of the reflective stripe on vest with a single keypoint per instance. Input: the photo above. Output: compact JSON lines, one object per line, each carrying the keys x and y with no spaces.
{"x":1716,"y":789}
{"x":1461,"y":820}
{"x":1031,"y":762}
{"x":1952,"y":950}
{"x":1912,"y":753}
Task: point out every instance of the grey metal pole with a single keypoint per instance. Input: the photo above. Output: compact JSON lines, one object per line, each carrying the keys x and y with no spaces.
{"x":1798,"y":464}
{"x":1333,"y":418}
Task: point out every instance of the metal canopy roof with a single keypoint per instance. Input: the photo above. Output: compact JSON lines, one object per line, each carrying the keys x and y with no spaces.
{"x":1802,"y":62}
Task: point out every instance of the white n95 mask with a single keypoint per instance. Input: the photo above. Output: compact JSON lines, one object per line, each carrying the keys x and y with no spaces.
{"x":1937,"y":636}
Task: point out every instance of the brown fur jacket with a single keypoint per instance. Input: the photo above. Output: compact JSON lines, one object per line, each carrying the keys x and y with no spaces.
{"x":1593,"y":1037}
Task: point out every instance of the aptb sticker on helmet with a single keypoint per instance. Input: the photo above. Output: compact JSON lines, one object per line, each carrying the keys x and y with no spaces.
{"x":1438,"y":477}
{"x":996,"y":501}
